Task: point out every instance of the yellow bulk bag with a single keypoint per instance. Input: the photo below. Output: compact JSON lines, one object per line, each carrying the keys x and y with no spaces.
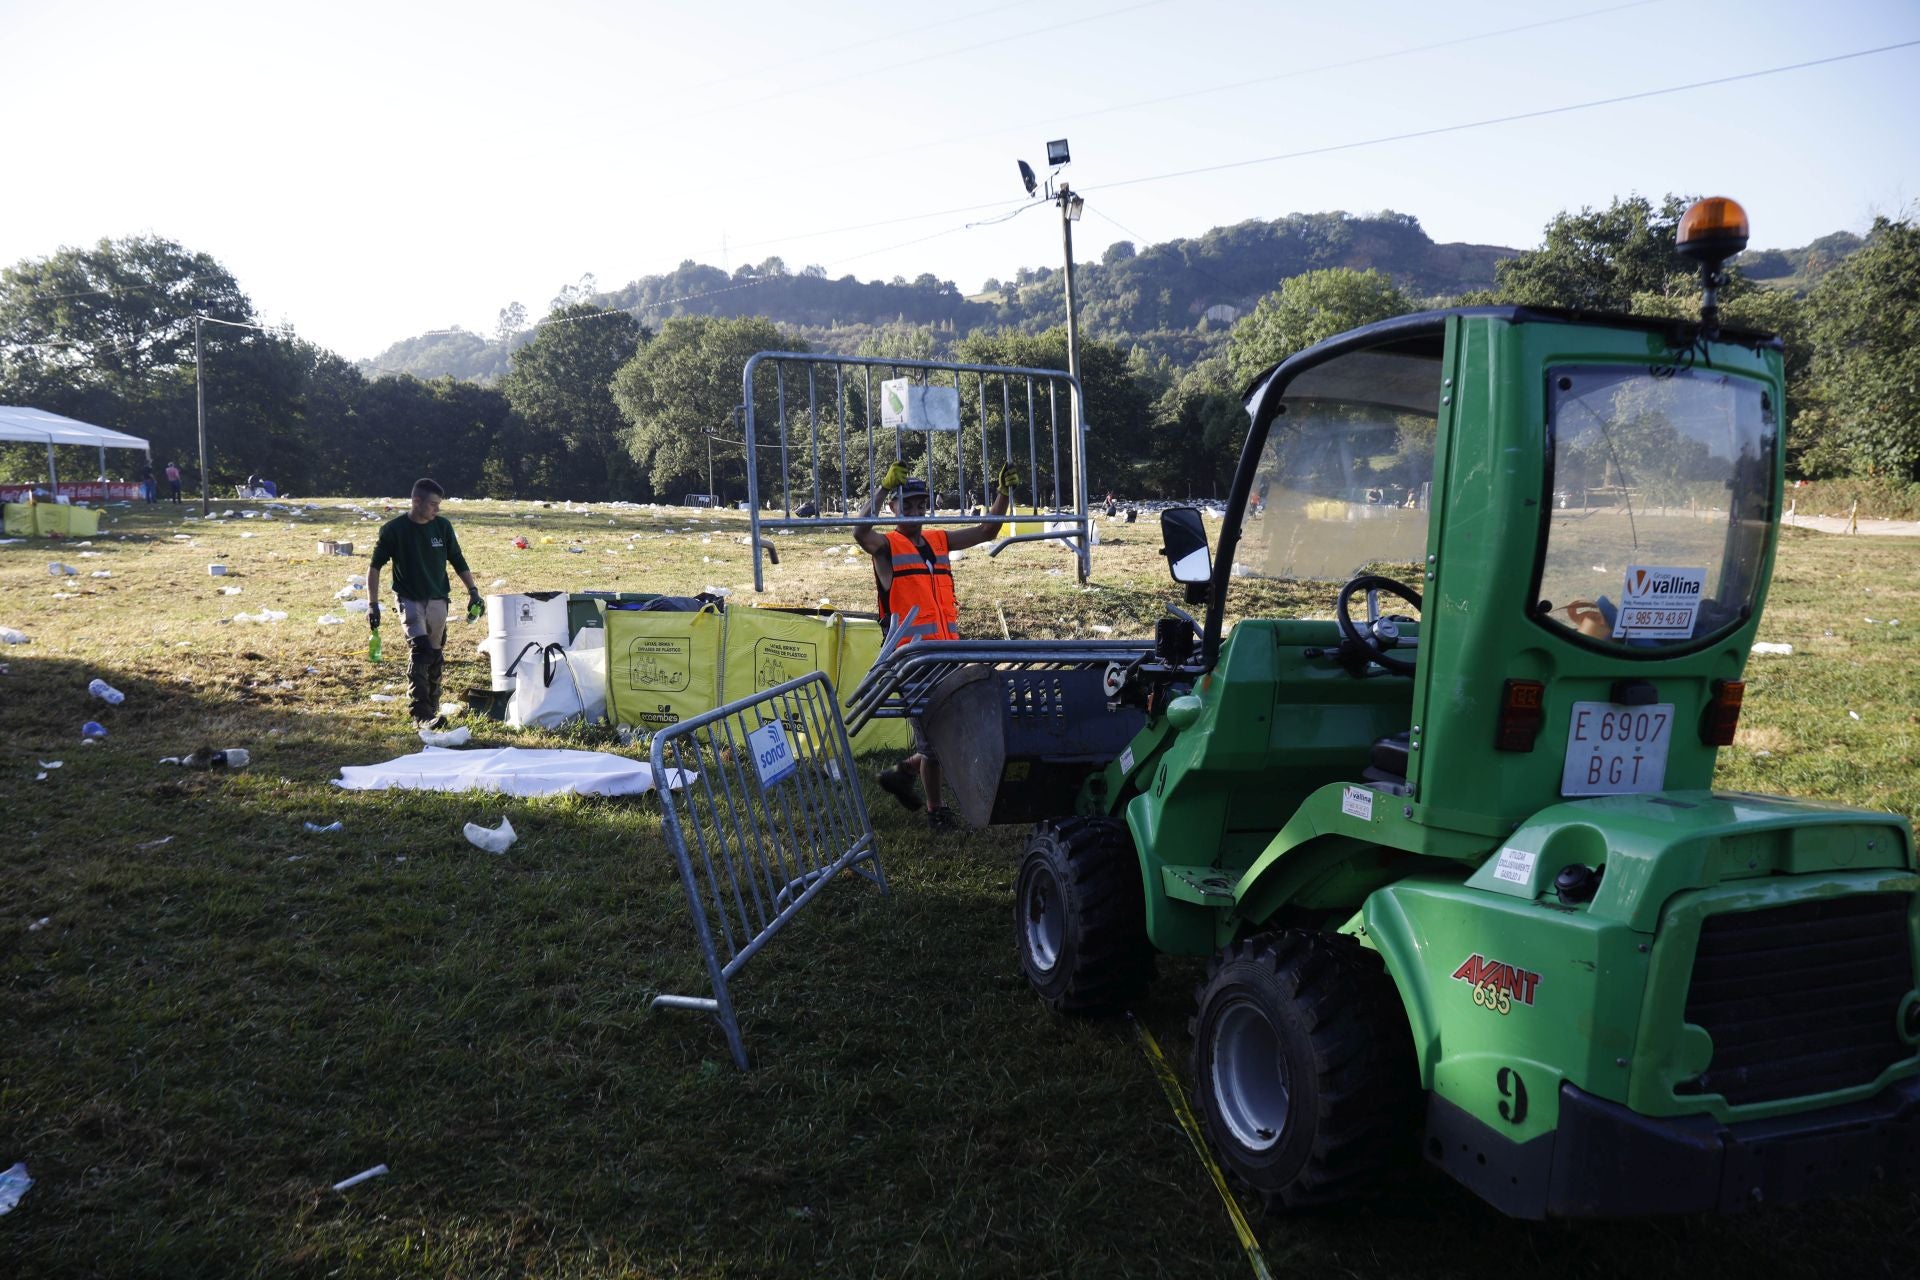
{"x":20,"y":523}
{"x":766,"y":647}
{"x":859,"y":648}
{"x":662,"y":668}
{"x":71,"y":522}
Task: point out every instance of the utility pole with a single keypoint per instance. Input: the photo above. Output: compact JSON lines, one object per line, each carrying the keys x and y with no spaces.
{"x":200,"y":400}
{"x":1070,"y":207}
{"x":711,"y":499}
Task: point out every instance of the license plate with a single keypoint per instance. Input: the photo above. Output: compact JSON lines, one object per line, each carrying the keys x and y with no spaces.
{"x":1616,"y":751}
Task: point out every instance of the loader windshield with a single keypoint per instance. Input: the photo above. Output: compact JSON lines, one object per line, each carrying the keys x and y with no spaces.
{"x":1660,"y":501}
{"x":1346,"y":474}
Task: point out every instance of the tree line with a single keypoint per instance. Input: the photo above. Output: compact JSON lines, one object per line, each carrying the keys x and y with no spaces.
{"x":595,"y":405}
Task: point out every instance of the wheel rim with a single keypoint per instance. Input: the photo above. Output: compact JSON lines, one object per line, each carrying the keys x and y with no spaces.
{"x":1250,"y":1076}
{"x":1046,"y":923}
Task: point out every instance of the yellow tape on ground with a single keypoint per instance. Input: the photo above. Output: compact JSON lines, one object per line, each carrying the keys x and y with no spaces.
{"x":1170,"y":1085}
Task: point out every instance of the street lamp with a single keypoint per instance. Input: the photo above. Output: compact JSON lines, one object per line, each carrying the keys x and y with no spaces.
{"x":1071,"y":207}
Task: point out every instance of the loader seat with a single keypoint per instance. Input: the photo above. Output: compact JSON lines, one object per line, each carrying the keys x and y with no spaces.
{"x":1389,"y":758}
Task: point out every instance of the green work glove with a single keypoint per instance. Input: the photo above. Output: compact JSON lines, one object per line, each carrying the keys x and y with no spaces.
{"x":895,"y":477}
{"x":475,"y":606}
{"x":1008,"y":479}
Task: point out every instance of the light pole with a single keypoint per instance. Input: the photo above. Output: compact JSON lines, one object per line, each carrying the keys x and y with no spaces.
{"x":200,"y":402}
{"x":1071,"y":206}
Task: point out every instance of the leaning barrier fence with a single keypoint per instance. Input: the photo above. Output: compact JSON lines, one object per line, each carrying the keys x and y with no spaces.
{"x":765,"y":812}
{"x":827,"y":427}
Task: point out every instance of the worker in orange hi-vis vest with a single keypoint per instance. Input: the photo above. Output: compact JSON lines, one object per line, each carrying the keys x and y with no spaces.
{"x":913,"y":575}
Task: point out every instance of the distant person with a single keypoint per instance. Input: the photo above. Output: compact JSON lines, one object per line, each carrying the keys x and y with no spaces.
{"x":421,"y":545}
{"x":173,"y":482}
{"x":912,"y":574}
{"x":148,"y":489}
{"x":1112,"y":506}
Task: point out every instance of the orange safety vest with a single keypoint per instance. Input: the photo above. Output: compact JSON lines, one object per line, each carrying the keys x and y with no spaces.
{"x":923,"y":583}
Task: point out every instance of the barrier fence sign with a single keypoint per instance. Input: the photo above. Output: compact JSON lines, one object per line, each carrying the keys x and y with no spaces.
{"x":772,"y":759}
{"x":767,"y":812}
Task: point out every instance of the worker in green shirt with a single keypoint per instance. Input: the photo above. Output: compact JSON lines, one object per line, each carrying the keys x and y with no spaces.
{"x":421,"y":545}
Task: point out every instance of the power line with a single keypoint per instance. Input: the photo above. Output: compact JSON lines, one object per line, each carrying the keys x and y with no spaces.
{"x":1347,"y":146}
{"x":857,"y":44}
{"x":1506,"y":119}
{"x":1292,"y":74}
{"x":894,"y":67}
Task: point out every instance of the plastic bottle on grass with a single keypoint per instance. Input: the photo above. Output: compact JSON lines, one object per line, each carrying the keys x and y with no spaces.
{"x":93,"y":729}
{"x":101,"y":689}
{"x":373,"y":645}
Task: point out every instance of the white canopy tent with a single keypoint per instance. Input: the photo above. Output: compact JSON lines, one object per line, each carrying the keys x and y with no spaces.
{"x":22,"y":422}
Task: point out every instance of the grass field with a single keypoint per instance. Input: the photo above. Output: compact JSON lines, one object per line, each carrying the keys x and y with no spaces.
{"x":202,"y":1035}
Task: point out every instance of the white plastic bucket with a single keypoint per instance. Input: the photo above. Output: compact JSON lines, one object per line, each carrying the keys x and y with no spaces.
{"x":516,"y":621}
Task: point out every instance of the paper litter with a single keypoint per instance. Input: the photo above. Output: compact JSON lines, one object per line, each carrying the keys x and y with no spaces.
{"x":495,"y":840}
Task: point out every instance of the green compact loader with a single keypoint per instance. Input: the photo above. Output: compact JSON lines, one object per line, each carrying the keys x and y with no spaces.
{"x":1458,"y":859}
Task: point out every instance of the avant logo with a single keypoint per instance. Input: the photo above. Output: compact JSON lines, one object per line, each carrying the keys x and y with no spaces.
{"x":1491,"y":977}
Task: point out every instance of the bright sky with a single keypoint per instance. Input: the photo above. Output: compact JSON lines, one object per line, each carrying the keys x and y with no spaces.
{"x":370,"y":171}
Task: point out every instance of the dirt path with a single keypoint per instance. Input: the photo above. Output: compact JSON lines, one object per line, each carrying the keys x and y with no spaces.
{"x":1868,"y":528}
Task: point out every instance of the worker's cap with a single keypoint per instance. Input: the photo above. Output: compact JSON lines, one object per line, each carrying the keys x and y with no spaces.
{"x":912,"y":487}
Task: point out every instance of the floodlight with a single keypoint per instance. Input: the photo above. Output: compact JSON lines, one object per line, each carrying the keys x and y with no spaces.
{"x":1075,"y":205}
{"x":1026,"y":176}
{"x":1057,"y":154}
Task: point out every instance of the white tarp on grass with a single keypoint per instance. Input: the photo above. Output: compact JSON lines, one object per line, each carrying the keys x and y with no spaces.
{"x":514,"y":771}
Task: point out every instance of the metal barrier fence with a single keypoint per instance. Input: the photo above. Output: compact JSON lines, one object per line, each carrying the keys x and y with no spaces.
{"x":772,"y":813}
{"x":1002,"y":408}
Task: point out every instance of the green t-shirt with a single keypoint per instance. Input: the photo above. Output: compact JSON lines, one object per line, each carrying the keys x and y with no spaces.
{"x":420,"y":554}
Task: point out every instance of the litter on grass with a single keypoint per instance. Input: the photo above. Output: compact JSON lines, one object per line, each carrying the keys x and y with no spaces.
{"x":380,"y":697}
{"x":51,"y":764}
{"x":13,"y":1184}
{"x":331,"y":827}
{"x":39,"y":924}
{"x":155,"y":844}
{"x":332,"y":620}
{"x":359,"y":1178}
{"x":446,"y":738}
{"x":494,"y":840}
{"x":9,"y":636}
{"x":1768,"y":646}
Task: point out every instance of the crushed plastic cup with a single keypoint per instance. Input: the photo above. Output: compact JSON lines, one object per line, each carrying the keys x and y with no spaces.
{"x":447,"y":737}
{"x":106,"y":692}
{"x":329,"y":829}
{"x":93,"y":729}
{"x":58,"y":570}
{"x":496,"y":840}
{"x":13,"y":1184}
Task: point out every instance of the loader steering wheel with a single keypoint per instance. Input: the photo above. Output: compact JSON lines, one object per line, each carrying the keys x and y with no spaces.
{"x":1379,"y":634}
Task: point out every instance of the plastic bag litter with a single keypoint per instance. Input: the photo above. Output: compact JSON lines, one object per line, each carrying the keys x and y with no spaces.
{"x":51,"y":764}
{"x":231,"y":591}
{"x":13,"y":1184}
{"x":332,"y":620}
{"x":358,"y":581}
{"x":356,"y":606}
{"x":496,"y":840}
{"x":380,"y":697}
{"x":265,"y":615}
{"x":446,"y":738}
{"x":330,"y":828}
{"x":9,"y":636}
{"x":59,"y":570}
{"x":1768,"y":646}
{"x":346,"y":593}
{"x":101,"y":573}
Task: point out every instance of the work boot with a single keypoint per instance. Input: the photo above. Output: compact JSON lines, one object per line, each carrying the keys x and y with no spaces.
{"x":434,"y":669}
{"x":942,"y":819}
{"x":899,"y":784}
{"x":420,"y":683}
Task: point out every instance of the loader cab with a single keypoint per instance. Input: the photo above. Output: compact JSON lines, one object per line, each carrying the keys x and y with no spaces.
{"x":1562,"y":527}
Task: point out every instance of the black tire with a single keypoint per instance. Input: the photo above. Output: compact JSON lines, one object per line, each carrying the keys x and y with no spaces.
{"x":1303,"y":1067}
{"x":1080,"y":916}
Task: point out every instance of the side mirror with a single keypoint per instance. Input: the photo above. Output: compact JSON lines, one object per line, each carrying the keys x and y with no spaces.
{"x":1183,"y":541}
